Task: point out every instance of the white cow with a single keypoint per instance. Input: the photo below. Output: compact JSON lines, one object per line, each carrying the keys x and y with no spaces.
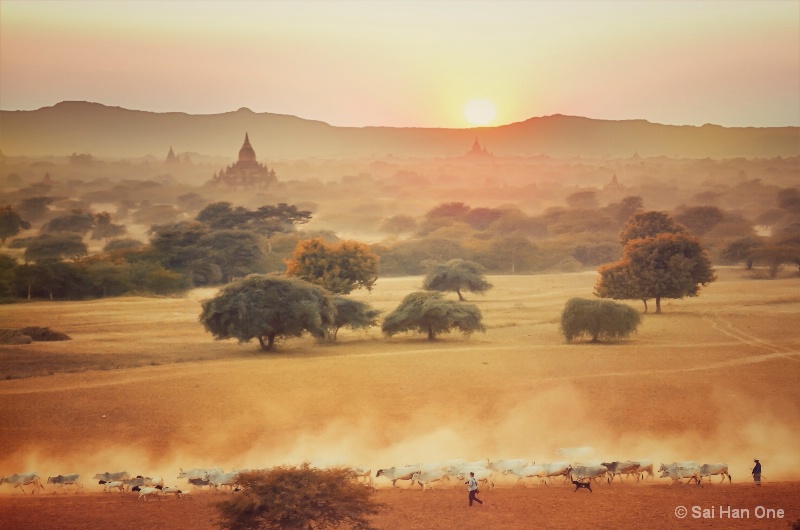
{"x":466,"y":467}
{"x":147,"y":491}
{"x":113,"y":484}
{"x":20,"y":480}
{"x":588,"y":472}
{"x":524,"y":472}
{"x":170,"y":490}
{"x":397,"y":473}
{"x":481,"y":475}
{"x":501,"y":466}
{"x":63,"y":481}
{"x":689,"y":463}
{"x":556,"y":469}
{"x":645,"y":466}
{"x":677,"y":473}
{"x":427,"y":478}
{"x":706,"y":470}
{"x":218,"y":480}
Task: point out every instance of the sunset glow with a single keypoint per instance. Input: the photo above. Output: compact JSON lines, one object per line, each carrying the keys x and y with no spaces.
{"x":480,"y":112}
{"x":410,"y":64}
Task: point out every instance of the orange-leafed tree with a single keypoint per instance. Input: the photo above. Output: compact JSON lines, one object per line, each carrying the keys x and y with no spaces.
{"x":338,"y":267}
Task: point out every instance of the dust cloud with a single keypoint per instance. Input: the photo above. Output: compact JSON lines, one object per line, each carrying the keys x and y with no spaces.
{"x":534,"y":428}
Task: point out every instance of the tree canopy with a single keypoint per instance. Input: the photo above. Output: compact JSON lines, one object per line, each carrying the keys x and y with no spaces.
{"x":456,"y":275}
{"x":264,"y":307}
{"x":302,"y":497}
{"x":668,"y":265}
{"x":353,"y":313}
{"x":428,"y":312}
{"x":338,"y":267}
{"x":47,"y":247}
{"x":598,"y":319}
{"x":11,"y":223}
{"x":649,"y":224}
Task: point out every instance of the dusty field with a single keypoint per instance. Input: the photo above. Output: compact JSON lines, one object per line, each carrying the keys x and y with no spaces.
{"x":142,"y":387}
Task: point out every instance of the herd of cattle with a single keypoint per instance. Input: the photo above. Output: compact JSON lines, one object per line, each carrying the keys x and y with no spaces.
{"x":425,"y":474}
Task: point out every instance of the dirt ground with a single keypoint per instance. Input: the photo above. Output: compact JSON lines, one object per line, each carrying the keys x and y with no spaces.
{"x":142,"y":388}
{"x":556,"y":507}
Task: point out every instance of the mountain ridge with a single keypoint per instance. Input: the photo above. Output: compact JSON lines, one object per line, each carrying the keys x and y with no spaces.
{"x":107,"y":131}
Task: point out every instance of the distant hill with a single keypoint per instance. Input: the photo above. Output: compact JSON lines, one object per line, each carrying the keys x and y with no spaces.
{"x":103,"y":131}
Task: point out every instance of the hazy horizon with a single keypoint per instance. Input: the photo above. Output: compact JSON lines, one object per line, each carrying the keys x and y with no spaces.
{"x":426,"y":65}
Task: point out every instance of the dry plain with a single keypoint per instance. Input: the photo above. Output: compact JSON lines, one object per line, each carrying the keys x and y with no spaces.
{"x":142,"y":387}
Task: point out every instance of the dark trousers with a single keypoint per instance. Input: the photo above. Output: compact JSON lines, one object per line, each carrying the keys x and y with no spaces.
{"x":473,"y":497}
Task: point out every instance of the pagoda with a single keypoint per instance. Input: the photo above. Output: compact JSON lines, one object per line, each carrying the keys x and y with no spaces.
{"x":478,"y":151}
{"x":246,"y":173}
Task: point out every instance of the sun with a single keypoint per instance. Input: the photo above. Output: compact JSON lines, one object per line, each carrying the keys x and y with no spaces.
{"x":480,"y":112}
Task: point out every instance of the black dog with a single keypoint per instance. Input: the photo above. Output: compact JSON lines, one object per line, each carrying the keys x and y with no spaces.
{"x":579,"y":484}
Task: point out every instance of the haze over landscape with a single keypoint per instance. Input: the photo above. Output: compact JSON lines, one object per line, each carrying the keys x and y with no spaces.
{"x":154,"y":154}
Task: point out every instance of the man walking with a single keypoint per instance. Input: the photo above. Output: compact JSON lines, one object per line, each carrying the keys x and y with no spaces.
{"x":473,"y":489}
{"x":757,"y":472}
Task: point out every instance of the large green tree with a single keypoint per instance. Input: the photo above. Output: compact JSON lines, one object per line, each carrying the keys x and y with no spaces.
{"x":428,"y":312}
{"x":338,"y":267}
{"x":11,"y":223}
{"x":456,"y":275}
{"x":598,"y":319}
{"x":265,"y":307}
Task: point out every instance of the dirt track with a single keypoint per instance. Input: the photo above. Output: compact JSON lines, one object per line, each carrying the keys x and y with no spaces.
{"x":713,"y":379}
{"x":617,"y":506}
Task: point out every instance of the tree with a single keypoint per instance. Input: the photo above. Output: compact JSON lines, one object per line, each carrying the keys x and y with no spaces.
{"x":776,"y":254}
{"x":268,"y":306}
{"x":429,"y":312}
{"x":300,"y":498}
{"x":598,"y":318}
{"x":582,"y":200}
{"x":281,"y":217}
{"x":178,"y":247}
{"x":649,"y":224}
{"x":11,"y":223}
{"x":456,"y":275}
{"x":618,"y":281}
{"x":352,"y":313}
{"x":398,"y":224}
{"x":47,"y":247}
{"x":741,"y":250}
{"x":235,"y":252}
{"x":222,"y":216}
{"x":623,"y":211}
{"x":76,"y":222}
{"x":35,"y":208}
{"x":338,"y":267}
{"x":669,"y":265}
{"x":700,"y":219}
{"x":105,"y":229}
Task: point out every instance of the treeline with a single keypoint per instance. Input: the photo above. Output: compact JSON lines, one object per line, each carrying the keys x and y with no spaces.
{"x":222,"y":242}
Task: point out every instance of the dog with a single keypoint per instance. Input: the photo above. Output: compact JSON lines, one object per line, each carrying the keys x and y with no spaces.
{"x":579,"y":485}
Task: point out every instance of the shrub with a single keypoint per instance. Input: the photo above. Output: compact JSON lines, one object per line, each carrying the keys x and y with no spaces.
{"x":301,"y":497}
{"x":598,"y":318}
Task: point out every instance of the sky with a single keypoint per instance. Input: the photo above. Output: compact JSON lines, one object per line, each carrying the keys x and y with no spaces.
{"x":413,"y":63}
